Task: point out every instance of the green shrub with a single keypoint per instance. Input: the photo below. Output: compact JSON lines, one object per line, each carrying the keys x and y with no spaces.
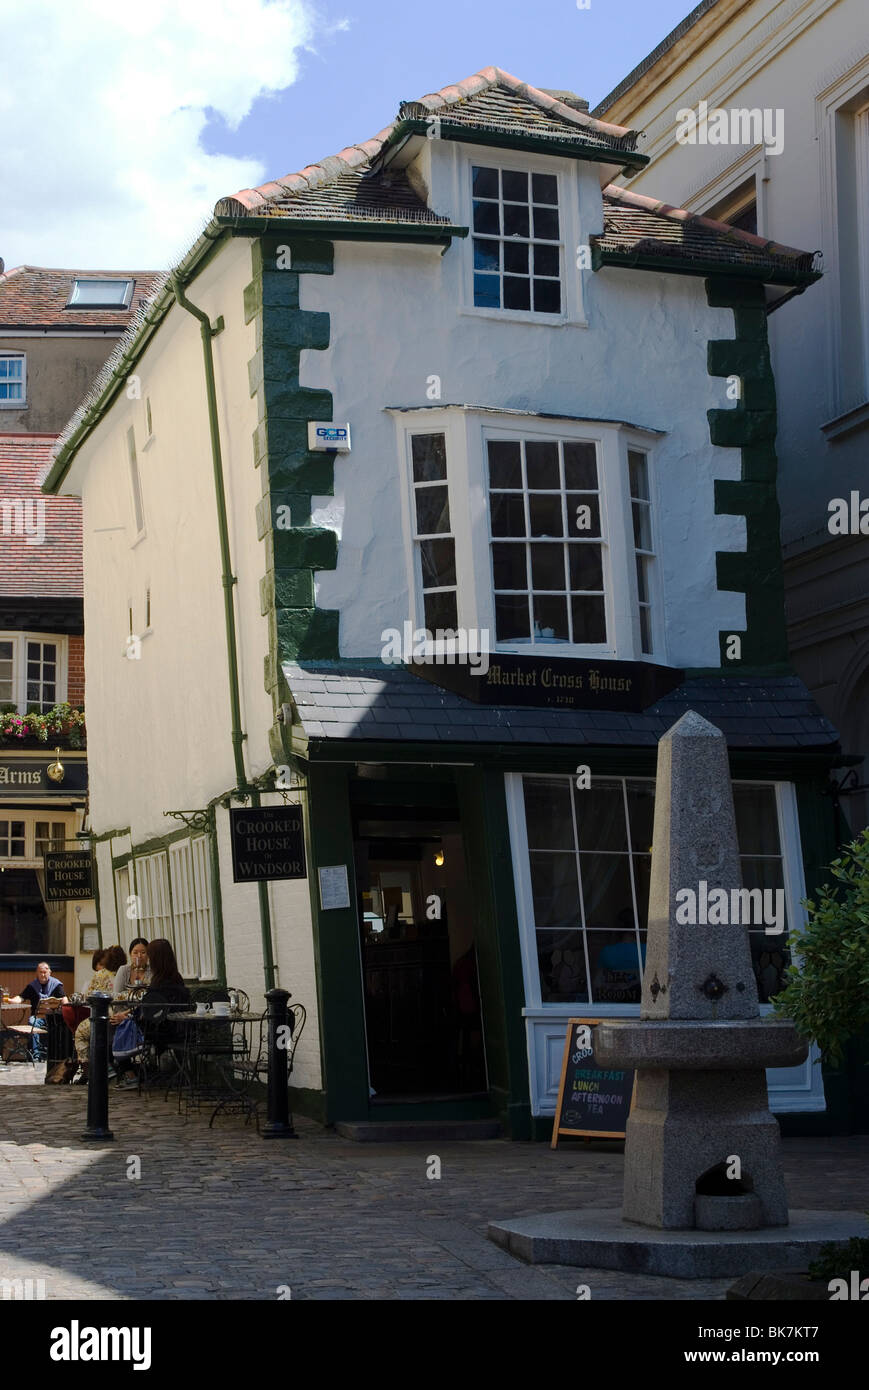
{"x":827,"y":993}
{"x":835,"y":1261}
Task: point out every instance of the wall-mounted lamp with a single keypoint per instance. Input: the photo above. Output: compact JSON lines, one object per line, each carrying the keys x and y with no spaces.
{"x":55,"y":770}
{"x":439,"y":859}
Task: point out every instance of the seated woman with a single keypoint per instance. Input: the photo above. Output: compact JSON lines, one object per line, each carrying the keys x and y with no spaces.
{"x":131,"y":977}
{"x":102,"y":982}
{"x":167,"y":987}
{"x":74,"y":1013}
{"x":137,"y":972}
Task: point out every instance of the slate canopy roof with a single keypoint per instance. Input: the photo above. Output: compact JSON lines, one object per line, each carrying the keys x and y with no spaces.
{"x":360,"y":701}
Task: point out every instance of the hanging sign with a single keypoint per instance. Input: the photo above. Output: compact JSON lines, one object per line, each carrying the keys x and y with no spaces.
{"x":593,"y":1101}
{"x":268,"y":842}
{"x":68,"y":875}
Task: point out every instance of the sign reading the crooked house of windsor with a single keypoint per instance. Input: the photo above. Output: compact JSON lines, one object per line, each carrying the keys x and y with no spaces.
{"x":268,"y":842}
{"x":68,"y":875}
{"x":559,"y":683}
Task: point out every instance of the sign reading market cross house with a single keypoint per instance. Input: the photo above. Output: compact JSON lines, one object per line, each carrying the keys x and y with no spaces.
{"x":68,"y":875}
{"x":560,"y":683}
{"x":268,"y":842}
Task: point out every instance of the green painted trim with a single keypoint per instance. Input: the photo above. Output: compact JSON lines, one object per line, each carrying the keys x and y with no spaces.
{"x":540,"y":144}
{"x":306,"y":1101}
{"x":292,"y":475}
{"x":197,"y":258}
{"x":750,"y":426}
{"x":329,"y":836}
{"x":784,"y":764}
{"x":486,"y":838}
{"x":96,"y":879}
{"x":676,"y":265}
{"x":121,"y":860}
{"x":337,"y":230}
{"x":110,"y":835}
{"x":216,"y":896}
{"x":265,"y":918}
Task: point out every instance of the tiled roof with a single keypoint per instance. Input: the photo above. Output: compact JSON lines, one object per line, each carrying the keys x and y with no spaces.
{"x":639,"y":227}
{"x":32,"y":296}
{"x":491,"y":101}
{"x":370,"y":701}
{"x":54,"y":567}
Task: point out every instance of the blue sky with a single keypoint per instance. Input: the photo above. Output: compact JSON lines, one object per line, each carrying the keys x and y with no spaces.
{"x":138,"y":117}
{"x":396,"y":50}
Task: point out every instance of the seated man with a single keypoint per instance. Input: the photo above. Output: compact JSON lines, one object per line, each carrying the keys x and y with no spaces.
{"x":43,"y":988}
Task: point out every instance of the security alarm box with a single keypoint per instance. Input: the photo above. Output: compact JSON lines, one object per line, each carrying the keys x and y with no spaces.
{"x":323,"y":435}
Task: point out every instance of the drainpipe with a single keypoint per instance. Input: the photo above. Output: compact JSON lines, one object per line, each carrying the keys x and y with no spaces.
{"x":228,"y":579}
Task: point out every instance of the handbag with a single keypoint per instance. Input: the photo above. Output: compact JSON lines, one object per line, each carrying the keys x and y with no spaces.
{"x":61,"y":1073}
{"x":128,"y":1039}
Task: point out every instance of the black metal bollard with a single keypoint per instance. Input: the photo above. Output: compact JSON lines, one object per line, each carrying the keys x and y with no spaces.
{"x":279,"y":1124}
{"x":98,"y":1070}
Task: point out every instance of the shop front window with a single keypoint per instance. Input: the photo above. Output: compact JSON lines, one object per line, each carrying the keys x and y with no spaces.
{"x":589,"y":855}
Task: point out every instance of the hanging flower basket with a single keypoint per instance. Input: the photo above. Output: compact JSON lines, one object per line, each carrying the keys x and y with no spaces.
{"x":60,"y":722}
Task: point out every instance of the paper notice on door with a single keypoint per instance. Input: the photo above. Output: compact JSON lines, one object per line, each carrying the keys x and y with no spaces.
{"x":334,"y":886}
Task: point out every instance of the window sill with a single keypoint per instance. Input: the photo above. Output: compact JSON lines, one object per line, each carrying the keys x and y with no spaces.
{"x":520,"y":316}
{"x":14,"y":405}
{"x":852,"y":422}
{"x":148,"y":442}
{"x":137,"y":540}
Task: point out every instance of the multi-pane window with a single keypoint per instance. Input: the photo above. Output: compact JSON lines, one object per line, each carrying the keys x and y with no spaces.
{"x":32,"y":671}
{"x":547,"y":543}
{"x":135,"y":482}
{"x":641,"y":516}
{"x":7,"y":672}
{"x":590,"y":862}
{"x":433,"y":536}
{"x":12,"y":378}
{"x":100,"y":294}
{"x":49,"y":836}
{"x":516,"y":241}
{"x":152,"y":889}
{"x":191,"y":906}
{"x":128,"y":927}
{"x":12,"y":839}
{"x":41,"y":675}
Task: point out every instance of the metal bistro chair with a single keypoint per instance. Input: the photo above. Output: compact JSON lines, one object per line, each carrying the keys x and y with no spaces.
{"x":209,"y":1051}
{"x":252,"y":1070}
{"x":16,"y":1039}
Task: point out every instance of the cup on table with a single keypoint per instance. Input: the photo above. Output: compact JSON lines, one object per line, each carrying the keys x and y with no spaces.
{"x":220,"y":1008}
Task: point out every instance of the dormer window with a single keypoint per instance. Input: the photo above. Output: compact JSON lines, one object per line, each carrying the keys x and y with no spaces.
{"x":516,"y":241}
{"x":100,"y":294}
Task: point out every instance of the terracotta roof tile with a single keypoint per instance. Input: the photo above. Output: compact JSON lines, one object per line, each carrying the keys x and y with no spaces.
{"x":35,"y":297}
{"x":54,"y":567}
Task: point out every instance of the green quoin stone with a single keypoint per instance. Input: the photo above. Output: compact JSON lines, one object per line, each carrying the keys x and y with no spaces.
{"x":279,"y":290}
{"x":758,"y":393}
{"x":724,"y":293}
{"x":293,"y":588}
{"x":728,"y":357}
{"x":750,"y":324}
{"x":731,"y":428}
{"x":308,"y":256}
{"x":306,"y":633}
{"x":301,"y":404}
{"x":759,"y":463}
{"x":305,"y":546}
{"x":304,"y":328}
{"x":253,"y":300}
{"x":744,"y":499}
{"x":281,"y":364}
{"x":310,"y":475}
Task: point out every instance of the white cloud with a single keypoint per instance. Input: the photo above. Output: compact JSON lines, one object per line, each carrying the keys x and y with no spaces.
{"x":103,"y":103}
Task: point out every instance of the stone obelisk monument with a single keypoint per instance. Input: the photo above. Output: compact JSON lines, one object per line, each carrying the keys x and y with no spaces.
{"x":701,"y":1149}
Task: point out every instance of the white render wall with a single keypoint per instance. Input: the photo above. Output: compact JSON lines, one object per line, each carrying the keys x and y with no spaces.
{"x":396,"y":321}
{"x":804,"y":58}
{"x":159,"y":727}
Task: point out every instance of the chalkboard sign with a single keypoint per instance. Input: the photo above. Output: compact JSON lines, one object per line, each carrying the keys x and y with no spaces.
{"x":593,"y":1101}
{"x":268,"y":842}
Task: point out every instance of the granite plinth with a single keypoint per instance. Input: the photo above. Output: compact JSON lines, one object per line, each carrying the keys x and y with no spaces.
{"x":742,"y":1213}
{"x":745,"y":1044}
{"x":599,"y":1239}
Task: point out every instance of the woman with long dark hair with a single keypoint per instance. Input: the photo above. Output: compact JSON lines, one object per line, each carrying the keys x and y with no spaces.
{"x":167,"y":987}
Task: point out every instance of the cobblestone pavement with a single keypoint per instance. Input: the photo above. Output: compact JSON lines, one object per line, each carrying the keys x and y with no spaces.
{"x":224,"y":1214}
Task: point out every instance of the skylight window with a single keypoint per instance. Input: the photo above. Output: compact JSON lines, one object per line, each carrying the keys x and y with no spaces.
{"x":100,"y":294}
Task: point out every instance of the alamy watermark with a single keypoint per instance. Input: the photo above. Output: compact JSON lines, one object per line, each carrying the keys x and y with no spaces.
{"x":23,"y":518}
{"x":444,"y":646}
{"x":739,"y":125}
{"x":720,"y":907}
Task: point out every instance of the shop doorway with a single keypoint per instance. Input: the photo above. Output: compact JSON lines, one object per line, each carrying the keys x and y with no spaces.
{"x":419,"y":967}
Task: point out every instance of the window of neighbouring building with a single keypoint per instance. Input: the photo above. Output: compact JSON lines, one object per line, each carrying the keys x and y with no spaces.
{"x":33,"y":671}
{"x":100,"y":294}
{"x":738,"y":208}
{"x":516,"y":242}
{"x":584,"y":878}
{"x":191,"y":908}
{"x":13,"y":379}
{"x":29,"y":923}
